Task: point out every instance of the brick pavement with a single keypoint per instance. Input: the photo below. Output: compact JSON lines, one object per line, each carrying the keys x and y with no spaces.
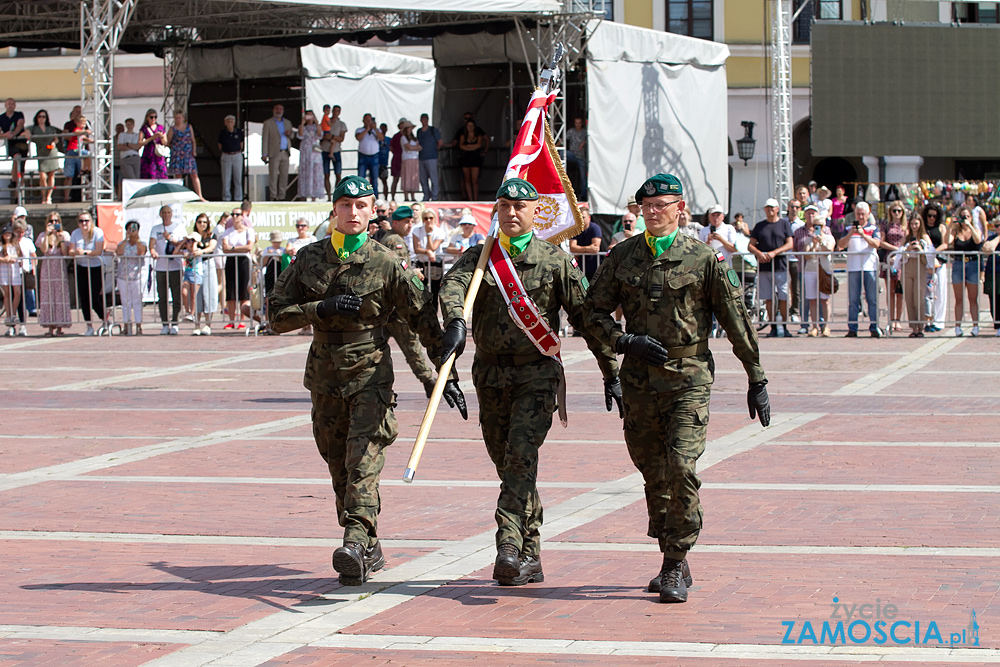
{"x":106,"y":565}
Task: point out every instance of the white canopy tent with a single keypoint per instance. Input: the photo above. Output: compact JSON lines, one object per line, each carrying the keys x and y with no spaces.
{"x":363,"y":80}
{"x":461,"y":6}
{"x":656,"y":103}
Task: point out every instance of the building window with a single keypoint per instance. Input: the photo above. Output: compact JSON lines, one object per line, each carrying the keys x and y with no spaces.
{"x":693,"y":18}
{"x":970,"y":12}
{"x":819,"y":10}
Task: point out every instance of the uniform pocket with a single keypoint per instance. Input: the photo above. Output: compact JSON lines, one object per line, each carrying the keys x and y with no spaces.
{"x":316,"y":280}
{"x":388,"y":428}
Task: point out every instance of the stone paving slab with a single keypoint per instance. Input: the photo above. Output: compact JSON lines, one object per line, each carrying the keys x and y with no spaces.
{"x":29,"y":453}
{"x":424,"y":657}
{"x":832,"y":464}
{"x":280,"y":510}
{"x":821,"y":518}
{"x":930,"y":424}
{"x":47,"y":653}
{"x":163,"y":586}
{"x":741,"y":597}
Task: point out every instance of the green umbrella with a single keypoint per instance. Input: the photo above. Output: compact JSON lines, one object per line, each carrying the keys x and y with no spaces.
{"x":160,"y":194}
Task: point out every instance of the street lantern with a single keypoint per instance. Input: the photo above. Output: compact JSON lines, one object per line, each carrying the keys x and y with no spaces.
{"x":746,"y":145}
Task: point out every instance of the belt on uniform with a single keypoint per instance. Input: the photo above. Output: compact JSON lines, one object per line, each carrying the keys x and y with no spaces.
{"x":346,"y":337}
{"x":509,"y":359}
{"x":692,"y":350}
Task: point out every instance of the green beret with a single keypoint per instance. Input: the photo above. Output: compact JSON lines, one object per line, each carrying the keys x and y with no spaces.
{"x":661,"y":184}
{"x":353,"y":187}
{"x":517,"y":189}
{"x":402,"y":213}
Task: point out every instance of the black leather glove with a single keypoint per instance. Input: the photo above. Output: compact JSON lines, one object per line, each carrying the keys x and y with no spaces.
{"x":453,"y":339}
{"x":613,"y":394}
{"x":342,"y":304}
{"x":758,"y":403}
{"x":429,"y":387}
{"x":454,"y":397}
{"x":643,"y":348}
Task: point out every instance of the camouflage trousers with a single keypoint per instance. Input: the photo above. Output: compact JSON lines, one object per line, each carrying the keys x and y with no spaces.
{"x":665,"y":434}
{"x":351,"y":433}
{"x":515,"y":420}
{"x":413,"y":351}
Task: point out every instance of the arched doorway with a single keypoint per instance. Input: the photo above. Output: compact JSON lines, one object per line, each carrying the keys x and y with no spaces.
{"x":834,"y":171}
{"x":828,"y":171}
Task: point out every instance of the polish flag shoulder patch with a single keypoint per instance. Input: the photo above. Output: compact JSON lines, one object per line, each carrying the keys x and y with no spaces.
{"x":403,"y":264}
{"x":720,"y":257}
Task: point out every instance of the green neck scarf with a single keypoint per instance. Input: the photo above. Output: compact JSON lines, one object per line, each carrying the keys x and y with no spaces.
{"x":516,"y":245}
{"x":345,"y":244}
{"x":660,"y":244}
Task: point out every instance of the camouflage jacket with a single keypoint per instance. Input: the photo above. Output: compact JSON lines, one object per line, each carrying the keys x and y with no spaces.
{"x":671,"y":298}
{"x":373,"y":273}
{"x":397,"y":244}
{"x":552,"y":281}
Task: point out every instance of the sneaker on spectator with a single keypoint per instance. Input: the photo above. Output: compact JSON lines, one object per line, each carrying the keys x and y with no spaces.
{"x":774,"y":333}
{"x":997,"y":334}
{"x":876,"y":332}
{"x":241,"y":326}
{"x":173,"y":330}
{"x":785,"y":333}
{"x":206,"y":330}
{"x":229,"y":326}
{"x":89,"y":331}
{"x":189,"y":318}
{"x":22,"y":331}
{"x":165,"y":331}
{"x":974,"y":332}
{"x":196,"y":332}
{"x":851,"y":334}
{"x":803,"y":330}
{"x":793,"y":317}
{"x":958,"y":331}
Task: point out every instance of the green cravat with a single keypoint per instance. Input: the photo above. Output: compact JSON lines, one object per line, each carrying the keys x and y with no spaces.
{"x":660,"y":244}
{"x":345,"y":244}
{"x":516,"y":245}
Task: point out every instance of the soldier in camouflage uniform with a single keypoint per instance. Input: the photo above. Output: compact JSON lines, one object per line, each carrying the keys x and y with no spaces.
{"x":515,"y":383}
{"x":669,"y":286}
{"x":409,"y":344}
{"x":348,"y":288}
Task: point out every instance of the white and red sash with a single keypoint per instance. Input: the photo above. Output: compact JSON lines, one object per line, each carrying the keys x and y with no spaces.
{"x":524,"y":312}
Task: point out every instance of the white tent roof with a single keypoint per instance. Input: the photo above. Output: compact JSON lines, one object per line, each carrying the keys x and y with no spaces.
{"x":355,"y":62}
{"x":461,"y":6}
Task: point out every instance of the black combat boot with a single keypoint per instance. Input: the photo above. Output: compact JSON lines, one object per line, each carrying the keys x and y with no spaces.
{"x":508,"y":564}
{"x":656,"y":583}
{"x":349,"y":562}
{"x":531,"y":572}
{"x":673,"y":587}
{"x":374,"y":560}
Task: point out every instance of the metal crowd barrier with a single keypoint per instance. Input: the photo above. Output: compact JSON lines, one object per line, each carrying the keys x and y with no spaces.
{"x":938,"y":303}
{"x":68,"y":292}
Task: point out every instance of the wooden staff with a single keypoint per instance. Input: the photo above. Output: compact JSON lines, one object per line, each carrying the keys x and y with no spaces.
{"x":445,"y":371}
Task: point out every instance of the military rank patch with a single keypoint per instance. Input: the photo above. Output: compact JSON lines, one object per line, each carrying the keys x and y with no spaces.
{"x":720,"y":257}
{"x":734,"y":279}
{"x":417,"y":282}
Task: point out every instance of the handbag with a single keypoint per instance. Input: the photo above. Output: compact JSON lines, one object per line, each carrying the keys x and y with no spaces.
{"x":28,"y":280}
{"x":161,"y":150}
{"x":828,"y":284}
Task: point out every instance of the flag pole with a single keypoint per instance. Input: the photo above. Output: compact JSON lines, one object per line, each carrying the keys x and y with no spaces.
{"x":547,"y":80}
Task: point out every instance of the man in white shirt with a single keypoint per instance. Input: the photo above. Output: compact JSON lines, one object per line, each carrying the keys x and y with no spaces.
{"x":128,"y":150}
{"x":718,"y":234}
{"x":168,"y":269}
{"x":369,"y":136}
{"x":338,"y":130}
{"x":861,"y":241}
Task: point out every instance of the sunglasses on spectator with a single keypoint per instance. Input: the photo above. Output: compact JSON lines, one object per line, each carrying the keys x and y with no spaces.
{"x":301,"y":226}
{"x":380,"y":210}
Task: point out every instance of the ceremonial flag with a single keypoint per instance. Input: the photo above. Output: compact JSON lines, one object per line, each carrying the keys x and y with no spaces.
{"x":535,"y":159}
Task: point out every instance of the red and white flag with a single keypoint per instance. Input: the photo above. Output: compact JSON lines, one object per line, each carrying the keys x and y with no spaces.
{"x":535,"y":159}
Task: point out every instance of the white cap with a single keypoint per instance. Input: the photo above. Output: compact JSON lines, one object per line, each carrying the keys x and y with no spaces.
{"x":772,"y":202}
{"x":811,"y":207}
{"x":20,"y":212}
{"x":467,"y":220}
{"x":715,"y":208}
